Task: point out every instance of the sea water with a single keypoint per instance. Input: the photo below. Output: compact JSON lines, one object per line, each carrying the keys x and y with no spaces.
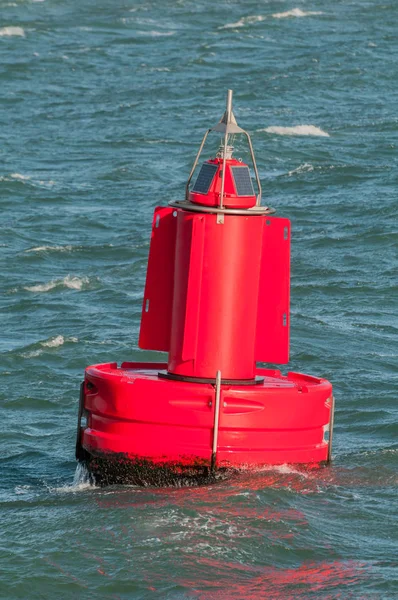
{"x":102,"y":108}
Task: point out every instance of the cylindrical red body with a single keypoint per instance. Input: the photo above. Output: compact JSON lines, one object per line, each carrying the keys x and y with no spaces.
{"x":215,"y":298}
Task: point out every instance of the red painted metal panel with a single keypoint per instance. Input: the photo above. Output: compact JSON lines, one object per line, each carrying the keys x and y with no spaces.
{"x":272,"y":341}
{"x":215,"y":295}
{"x":181,"y":279}
{"x":158,"y":296}
{"x":193,"y":289}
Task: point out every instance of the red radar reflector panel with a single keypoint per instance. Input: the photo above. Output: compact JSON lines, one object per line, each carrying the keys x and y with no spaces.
{"x":158,"y":296}
{"x":273,"y":316}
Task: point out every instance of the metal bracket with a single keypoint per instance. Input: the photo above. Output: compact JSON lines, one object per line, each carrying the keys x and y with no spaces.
{"x":216,"y":422}
{"x":194,"y":165}
{"x":247,"y":212}
{"x":331,"y":425}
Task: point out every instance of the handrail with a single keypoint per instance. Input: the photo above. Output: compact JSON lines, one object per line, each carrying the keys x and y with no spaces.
{"x":216,"y":422}
{"x":331,"y":425}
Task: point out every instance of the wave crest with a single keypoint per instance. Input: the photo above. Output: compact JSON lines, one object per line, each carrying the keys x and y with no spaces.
{"x":243,"y":21}
{"x":67,"y":248}
{"x":58,"y":340}
{"x":53,"y":342}
{"x":296,"y":130}
{"x":305,"y":168}
{"x":296,"y":12}
{"x":12,"y":31}
{"x":73,"y":283}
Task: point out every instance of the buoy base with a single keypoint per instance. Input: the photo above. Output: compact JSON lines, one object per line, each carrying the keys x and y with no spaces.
{"x":143,"y":429}
{"x":122,"y":469}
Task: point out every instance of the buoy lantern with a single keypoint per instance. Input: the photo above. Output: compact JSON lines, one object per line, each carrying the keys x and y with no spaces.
{"x":217,"y":301}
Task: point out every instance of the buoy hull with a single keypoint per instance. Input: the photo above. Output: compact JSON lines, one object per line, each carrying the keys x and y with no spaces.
{"x":142,"y":428}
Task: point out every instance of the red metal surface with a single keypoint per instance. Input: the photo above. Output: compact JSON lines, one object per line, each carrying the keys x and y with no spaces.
{"x":217,"y":295}
{"x":216,"y":289}
{"x":273,"y":318}
{"x":158,"y":295}
{"x":132,"y":411}
{"x":230,"y":199}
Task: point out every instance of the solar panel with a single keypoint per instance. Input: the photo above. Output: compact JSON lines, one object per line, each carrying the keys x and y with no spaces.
{"x":243,"y":181}
{"x":205,"y":177}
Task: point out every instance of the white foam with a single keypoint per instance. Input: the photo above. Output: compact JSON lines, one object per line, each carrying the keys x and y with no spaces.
{"x":157,"y":33}
{"x":49,"y":183}
{"x":239,"y":23}
{"x":296,"y":12}
{"x":297,"y":130}
{"x":54,"y":342}
{"x":243,"y":21}
{"x":289,"y":470}
{"x":22,"y":489}
{"x":82,"y":480}
{"x":305,"y":168}
{"x":284,"y":469}
{"x":58,"y":340}
{"x":32,"y":353}
{"x":73,"y":283}
{"x":19,"y":176}
{"x":50,"y":249}
{"x":13,"y":177}
{"x":45,"y":287}
{"x":12,"y":31}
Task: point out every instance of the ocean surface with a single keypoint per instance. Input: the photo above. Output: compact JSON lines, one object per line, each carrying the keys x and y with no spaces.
{"x":102,"y":108}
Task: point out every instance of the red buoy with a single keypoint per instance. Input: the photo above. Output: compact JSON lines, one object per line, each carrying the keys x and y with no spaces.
{"x":217,"y":301}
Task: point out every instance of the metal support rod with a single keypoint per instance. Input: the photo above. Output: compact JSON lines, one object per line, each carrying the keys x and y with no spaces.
{"x":216,"y":421}
{"x":331,"y":425}
{"x":229,"y":111}
{"x":221,"y":202}
{"x":255,"y":168}
{"x":194,"y":164}
{"x":229,"y":104}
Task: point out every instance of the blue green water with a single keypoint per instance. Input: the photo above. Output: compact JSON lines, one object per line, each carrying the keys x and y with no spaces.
{"x":102,"y":107}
